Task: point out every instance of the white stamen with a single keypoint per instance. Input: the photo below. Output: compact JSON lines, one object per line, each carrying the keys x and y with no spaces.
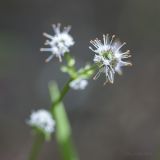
{"x":59,"y":43}
{"x":111,"y":63}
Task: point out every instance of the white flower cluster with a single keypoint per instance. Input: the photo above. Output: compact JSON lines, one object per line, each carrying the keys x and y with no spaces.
{"x":59,"y":43}
{"x":108,"y":57}
{"x":79,"y":84}
{"x":43,"y":120}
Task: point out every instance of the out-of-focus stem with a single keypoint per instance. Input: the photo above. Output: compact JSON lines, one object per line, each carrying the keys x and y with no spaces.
{"x":38,"y":143}
{"x":66,"y":146}
{"x":63,"y":128}
{"x":37,"y":146}
{"x":62,"y":94}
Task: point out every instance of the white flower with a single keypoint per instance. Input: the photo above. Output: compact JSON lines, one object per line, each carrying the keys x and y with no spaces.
{"x":59,"y":43}
{"x":43,"y":120}
{"x":109,"y":57}
{"x":78,"y":84}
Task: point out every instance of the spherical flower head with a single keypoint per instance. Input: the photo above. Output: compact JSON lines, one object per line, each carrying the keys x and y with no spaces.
{"x":79,"y":84}
{"x":42,"y":119}
{"x":59,"y":43}
{"x":109,"y":57}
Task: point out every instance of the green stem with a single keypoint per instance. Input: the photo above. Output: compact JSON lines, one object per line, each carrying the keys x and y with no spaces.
{"x":63,"y":129}
{"x":62,"y":94}
{"x":63,"y":133}
{"x":36,"y":147}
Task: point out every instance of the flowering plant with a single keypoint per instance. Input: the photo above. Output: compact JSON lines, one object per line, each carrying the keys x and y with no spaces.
{"x":108,"y":59}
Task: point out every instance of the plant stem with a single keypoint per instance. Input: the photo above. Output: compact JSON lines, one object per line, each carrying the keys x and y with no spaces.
{"x":62,"y":94}
{"x":57,"y":109}
{"x":37,"y":145}
{"x":63,"y":129}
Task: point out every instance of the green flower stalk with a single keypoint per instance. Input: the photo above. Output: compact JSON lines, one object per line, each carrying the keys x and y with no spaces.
{"x":37,"y":145}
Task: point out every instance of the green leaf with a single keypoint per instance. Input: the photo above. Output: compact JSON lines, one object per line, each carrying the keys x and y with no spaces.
{"x":63,"y":129}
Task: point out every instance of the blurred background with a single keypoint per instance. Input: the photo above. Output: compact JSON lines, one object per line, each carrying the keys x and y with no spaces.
{"x":112,"y":122}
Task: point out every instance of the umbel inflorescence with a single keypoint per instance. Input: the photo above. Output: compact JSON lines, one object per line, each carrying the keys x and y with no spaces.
{"x":59,"y":43}
{"x":42,"y":120}
{"x":109,"y":57}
